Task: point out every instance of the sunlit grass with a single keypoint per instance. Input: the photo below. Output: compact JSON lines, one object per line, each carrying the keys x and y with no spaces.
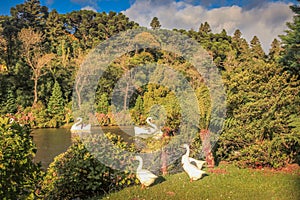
{"x":227,"y":182}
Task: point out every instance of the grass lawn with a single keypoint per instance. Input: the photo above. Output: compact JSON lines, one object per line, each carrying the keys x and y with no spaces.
{"x":223,"y":182}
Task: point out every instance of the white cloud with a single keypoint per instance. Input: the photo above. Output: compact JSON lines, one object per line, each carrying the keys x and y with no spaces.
{"x":89,"y":8}
{"x":266,"y":21}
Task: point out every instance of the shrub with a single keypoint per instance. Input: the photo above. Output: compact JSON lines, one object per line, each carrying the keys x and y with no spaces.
{"x":20,"y":176}
{"x":77,"y":174}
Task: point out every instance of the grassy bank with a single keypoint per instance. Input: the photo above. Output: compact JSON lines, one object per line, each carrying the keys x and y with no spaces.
{"x":223,"y":182}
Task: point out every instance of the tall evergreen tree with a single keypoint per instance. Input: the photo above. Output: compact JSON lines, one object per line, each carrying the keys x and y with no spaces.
{"x":103,"y":104}
{"x":256,"y":49}
{"x":275,"y":50}
{"x":203,"y":35}
{"x":291,"y":44}
{"x":30,"y":14}
{"x":55,"y":29}
{"x":241,"y":46}
{"x":155,"y":24}
{"x":56,"y":105}
{"x":204,"y":28}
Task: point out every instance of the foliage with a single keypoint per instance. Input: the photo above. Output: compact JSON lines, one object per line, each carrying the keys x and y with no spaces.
{"x":262,"y":126}
{"x":138,"y":111}
{"x":103,"y":104}
{"x":56,"y":107}
{"x":291,"y":40}
{"x":260,"y":105}
{"x":256,"y":49}
{"x":155,"y":24}
{"x":78,"y":174}
{"x":39,"y":116}
{"x":34,"y":55}
{"x":20,"y":176}
{"x":162,"y":104}
{"x":204,"y":101}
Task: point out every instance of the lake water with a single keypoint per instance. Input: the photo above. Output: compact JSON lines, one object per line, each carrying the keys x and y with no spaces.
{"x":52,"y":142}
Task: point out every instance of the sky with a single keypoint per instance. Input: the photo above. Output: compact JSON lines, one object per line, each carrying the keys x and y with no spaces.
{"x":263,"y":18}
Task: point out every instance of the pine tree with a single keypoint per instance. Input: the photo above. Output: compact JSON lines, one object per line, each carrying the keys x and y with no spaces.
{"x":155,"y":24}
{"x":56,"y":105}
{"x":30,"y":14}
{"x":103,"y":104}
{"x":275,"y":50}
{"x":291,"y":41}
{"x":241,"y":46}
{"x":204,"y":28}
{"x":256,"y":49}
{"x":260,"y":103}
{"x":237,"y":35}
{"x":139,"y":105}
{"x":138,"y":110}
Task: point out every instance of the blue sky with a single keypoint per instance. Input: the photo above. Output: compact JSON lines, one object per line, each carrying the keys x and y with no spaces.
{"x":263,"y":18}
{"x":64,"y":6}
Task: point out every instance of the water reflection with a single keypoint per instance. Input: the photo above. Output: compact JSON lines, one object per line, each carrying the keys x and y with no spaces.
{"x":52,"y":142}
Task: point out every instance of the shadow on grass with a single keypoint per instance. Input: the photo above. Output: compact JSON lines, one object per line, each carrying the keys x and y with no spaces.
{"x":159,"y":180}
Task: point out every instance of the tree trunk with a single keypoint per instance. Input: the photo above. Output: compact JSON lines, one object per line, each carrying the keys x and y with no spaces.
{"x":164,"y":161}
{"x":126,"y":96}
{"x":206,"y":146}
{"x":35,"y":91}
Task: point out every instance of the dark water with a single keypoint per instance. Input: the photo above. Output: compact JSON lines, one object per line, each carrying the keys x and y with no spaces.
{"x":51,"y":142}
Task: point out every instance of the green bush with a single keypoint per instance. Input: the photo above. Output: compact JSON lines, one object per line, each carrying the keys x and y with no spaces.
{"x":275,"y":153}
{"x":20,"y":176}
{"x":77,"y":174}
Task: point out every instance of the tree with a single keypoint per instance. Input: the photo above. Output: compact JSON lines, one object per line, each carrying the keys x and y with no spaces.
{"x":34,"y":55}
{"x":260,"y":107}
{"x":55,"y":30}
{"x":256,"y":49}
{"x":290,"y":41}
{"x":30,"y":14}
{"x":90,"y":28}
{"x":138,"y":110}
{"x":155,"y":24}
{"x":204,"y":29}
{"x":56,"y":106}
{"x":275,"y":50}
{"x":3,"y":49}
{"x":10,"y":47}
{"x":205,"y":106}
{"x":241,"y":46}
{"x":103,"y":104}
{"x":203,"y":35}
